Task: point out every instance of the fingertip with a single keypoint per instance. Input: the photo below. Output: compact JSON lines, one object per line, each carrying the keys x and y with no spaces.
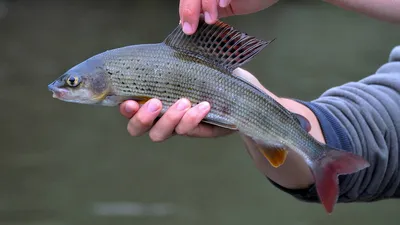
{"x":153,"y":105}
{"x":187,"y":28}
{"x":189,"y":14}
{"x":224,"y":3}
{"x":128,"y":108}
{"x":210,"y":11}
{"x":204,"y":106}
{"x":192,"y":118}
{"x":122,"y":108}
{"x":184,"y":102}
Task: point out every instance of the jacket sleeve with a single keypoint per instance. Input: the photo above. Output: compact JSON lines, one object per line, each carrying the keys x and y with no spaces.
{"x":364,"y":118}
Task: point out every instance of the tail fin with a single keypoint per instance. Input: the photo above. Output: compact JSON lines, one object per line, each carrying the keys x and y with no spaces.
{"x":326,"y":171}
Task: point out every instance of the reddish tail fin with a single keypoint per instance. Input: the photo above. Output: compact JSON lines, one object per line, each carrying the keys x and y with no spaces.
{"x":326,"y":171}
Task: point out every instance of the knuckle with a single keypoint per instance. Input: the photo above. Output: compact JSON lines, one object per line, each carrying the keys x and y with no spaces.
{"x":131,"y":130}
{"x":194,"y":132}
{"x":207,"y":4}
{"x":142,"y":122}
{"x":156,"y":136}
{"x":191,"y":117}
{"x":172,"y":117}
{"x":180,"y":131}
{"x":187,"y":11}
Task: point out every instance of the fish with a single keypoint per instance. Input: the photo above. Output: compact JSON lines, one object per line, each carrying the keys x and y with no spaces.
{"x":200,"y":67}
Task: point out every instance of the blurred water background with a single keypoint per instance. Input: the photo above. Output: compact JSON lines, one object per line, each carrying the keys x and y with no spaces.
{"x":69,"y":164}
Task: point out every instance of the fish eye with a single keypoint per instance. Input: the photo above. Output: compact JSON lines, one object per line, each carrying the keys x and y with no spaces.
{"x":73,"y":81}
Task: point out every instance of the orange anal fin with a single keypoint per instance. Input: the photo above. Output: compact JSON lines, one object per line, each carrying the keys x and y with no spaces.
{"x":275,"y":153}
{"x":275,"y":156}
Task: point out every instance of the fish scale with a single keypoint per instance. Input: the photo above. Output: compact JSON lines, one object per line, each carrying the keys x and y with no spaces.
{"x":200,"y":68}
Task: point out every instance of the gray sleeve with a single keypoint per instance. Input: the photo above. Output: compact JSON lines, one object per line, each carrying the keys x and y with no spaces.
{"x":363,"y":117}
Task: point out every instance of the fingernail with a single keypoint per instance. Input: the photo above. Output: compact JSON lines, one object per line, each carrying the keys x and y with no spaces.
{"x":207,"y":17}
{"x":222,"y":3}
{"x":153,"y":106}
{"x":182,"y":105}
{"x":128,"y":108}
{"x":187,"y":28}
{"x":204,"y":106}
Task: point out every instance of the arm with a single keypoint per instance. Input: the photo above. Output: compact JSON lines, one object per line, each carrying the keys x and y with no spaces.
{"x":387,"y":10}
{"x":362,"y":117}
{"x":189,"y":10}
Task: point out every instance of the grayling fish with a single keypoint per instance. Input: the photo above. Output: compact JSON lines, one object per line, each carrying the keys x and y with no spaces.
{"x":199,"y":67}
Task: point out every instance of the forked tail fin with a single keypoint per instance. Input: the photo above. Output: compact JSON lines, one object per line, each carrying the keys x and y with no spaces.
{"x":327,"y":169}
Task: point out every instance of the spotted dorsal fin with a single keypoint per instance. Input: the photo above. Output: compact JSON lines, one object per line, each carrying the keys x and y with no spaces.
{"x":218,"y":44}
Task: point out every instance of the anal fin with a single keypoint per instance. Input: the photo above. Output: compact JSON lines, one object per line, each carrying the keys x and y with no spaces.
{"x":275,"y":156}
{"x":275,"y":153}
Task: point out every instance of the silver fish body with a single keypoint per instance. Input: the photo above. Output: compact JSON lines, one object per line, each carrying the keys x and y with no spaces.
{"x":158,"y":71}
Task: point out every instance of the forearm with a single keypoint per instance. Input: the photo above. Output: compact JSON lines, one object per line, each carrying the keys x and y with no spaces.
{"x":294,"y":173}
{"x":387,"y":10}
{"x":359,"y":117}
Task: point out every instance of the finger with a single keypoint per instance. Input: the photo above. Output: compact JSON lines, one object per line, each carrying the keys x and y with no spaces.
{"x":192,"y":118}
{"x":129,"y":108}
{"x":189,"y":11}
{"x":225,"y":12}
{"x":224,"y":3}
{"x":144,"y":118}
{"x":210,"y":9}
{"x":165,"y":126}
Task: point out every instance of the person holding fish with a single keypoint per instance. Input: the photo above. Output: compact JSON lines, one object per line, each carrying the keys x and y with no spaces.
{"x":193,"y":82}
{"x":359,"y":117}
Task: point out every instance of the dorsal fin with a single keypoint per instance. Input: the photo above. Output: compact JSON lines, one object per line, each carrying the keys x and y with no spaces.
{"x":219,"y":44}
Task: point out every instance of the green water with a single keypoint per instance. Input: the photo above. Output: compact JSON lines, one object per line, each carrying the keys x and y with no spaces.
{"x":68,"y":164}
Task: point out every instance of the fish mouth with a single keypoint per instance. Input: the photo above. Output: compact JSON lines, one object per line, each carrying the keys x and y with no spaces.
{"x":57,"y":92}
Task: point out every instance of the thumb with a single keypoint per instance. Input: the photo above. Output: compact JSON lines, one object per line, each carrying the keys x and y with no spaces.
{"x":246,"y":75}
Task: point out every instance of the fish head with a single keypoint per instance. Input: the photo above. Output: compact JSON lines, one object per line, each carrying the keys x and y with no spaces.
{"x":85,"y":83}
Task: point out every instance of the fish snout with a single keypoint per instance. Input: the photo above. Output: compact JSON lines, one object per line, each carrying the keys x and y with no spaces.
{"x":51,"y":86}
{"x":54,"y":87}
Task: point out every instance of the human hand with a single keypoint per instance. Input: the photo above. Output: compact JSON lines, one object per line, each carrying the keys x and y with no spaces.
{"x":180,"y":118}
{"x":189,"y":10}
